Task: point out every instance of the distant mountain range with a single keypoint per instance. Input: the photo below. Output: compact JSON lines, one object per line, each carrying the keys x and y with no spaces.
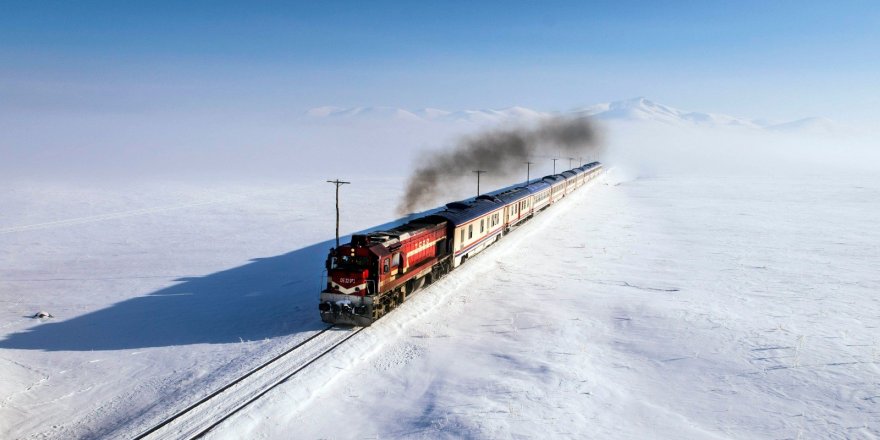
{"x":427,"y":114}
{"x":630,"y":110}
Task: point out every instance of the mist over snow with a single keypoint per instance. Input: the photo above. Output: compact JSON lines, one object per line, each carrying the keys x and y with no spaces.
{"x":367,"y":141}
{"x":638,"y":133}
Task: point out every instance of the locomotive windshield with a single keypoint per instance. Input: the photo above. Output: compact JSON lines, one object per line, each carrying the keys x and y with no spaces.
{"x":349,"y":262}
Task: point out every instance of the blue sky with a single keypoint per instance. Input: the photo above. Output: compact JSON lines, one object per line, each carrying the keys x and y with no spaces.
{"x":776,"y":60}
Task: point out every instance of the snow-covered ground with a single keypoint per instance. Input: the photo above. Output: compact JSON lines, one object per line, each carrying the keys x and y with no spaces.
{"x":689,"y":307}
{"x":159,"y":292}
{"x":725,"y":292}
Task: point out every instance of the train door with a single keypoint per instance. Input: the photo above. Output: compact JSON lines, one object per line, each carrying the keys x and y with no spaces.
{"x":440,"y":248}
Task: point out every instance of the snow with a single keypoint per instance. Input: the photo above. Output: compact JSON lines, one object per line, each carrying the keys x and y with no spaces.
{"x":629,"y":110}
{"x":478,"y":117}
{"x":813,"y":125}
{"x":713,"y":284}
{"x":159,"y":292}
{"x":641,"y":310}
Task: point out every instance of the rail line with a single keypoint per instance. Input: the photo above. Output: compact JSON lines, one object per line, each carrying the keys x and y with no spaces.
{"x":198,"y":419}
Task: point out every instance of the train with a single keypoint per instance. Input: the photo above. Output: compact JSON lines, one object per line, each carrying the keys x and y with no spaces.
{"x":377,"y":271}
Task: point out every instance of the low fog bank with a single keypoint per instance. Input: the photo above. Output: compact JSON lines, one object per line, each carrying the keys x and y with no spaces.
{"x":296,"y":149}
{"x":653,"y":149}
{"x":109,"y":150}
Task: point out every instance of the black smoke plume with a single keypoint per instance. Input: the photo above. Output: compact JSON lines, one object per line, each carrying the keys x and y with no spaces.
{"x":500,"y":152}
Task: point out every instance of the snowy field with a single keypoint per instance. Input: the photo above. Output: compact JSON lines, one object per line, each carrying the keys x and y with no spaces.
{"x":690,"y":307}
{"x":687,"y":306}
{"x":159,"y":292}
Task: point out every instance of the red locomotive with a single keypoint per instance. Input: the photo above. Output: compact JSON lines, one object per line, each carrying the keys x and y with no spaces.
{"x":378,"y":271}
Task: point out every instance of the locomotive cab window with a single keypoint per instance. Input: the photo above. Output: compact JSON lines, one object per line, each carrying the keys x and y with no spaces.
{"x":386,"y":266}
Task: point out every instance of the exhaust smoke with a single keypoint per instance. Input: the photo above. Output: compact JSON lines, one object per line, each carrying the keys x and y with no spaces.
{"x":500,"y":152}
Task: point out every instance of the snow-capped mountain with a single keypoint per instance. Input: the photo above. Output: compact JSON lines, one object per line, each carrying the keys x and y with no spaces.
{"x":363,"y":113}
{"x":426,"y":114}
{"x":629,"y":110}
{"x":807,"y":124}
{"x":642,"y":109}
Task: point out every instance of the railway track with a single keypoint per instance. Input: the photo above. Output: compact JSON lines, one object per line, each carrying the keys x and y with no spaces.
{"x":204,"y":415}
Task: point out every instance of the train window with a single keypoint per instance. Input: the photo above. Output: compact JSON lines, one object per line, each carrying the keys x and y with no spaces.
{"x":395,"y":259}
{"x":462,"y":237}
{"x":482,"y":227}
{"x":470,"y":231}
{"x":387,"y":266}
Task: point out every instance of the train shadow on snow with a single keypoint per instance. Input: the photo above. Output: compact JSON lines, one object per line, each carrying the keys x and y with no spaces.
{"x":265,"y":298}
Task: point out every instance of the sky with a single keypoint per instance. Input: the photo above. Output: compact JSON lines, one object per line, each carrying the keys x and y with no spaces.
{"x":142,"y":73}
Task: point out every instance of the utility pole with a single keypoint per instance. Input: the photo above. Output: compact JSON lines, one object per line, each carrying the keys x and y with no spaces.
{"x":554,"y":164}
{"x":569,"y":162}
{"x":478,"y":180}
{"x":528,"y":165}
{"x":338,"y":183}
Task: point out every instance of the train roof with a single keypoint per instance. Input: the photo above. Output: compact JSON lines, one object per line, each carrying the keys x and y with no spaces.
{"x":554,"y":179}
{"x":537,"y":186}
{"x":568,"y":174}
{"x":463,"y":212}
{"x":402,"y":232}
{"x":513,"y":195}
{"x":587,"y":167}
